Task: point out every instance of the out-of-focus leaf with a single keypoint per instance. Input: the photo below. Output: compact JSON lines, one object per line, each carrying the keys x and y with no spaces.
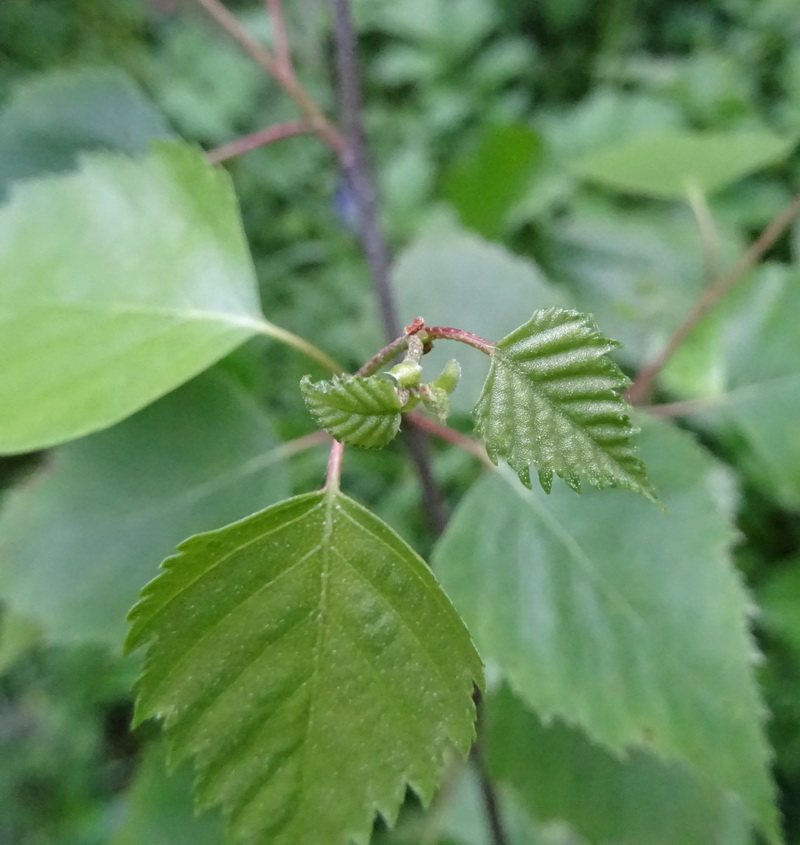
{"x":668,"y":164}
{"x":309,"y":662}
{"x":120,"y":281}
{"x":453,"y":278}
{"x":616,"y":617}
{"x":54,"y":117}
{"x":779,"y":600}
{"x":484,"y":185}
{"x":638,"y":273}
{"x":159,"y":808}
{"x":632,"y":800}
{"x":80,"y":538}
{"x":755,"y":401}
{"x":552,"y":399}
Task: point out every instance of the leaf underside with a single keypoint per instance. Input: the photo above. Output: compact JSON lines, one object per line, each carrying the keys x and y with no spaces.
{"x":552,"y":399}
{"x":310,"y":663}
{"x":359,"y":411}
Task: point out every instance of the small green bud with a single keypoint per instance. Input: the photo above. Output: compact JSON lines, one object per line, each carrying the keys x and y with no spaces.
{"x":448,"y":380}
{"x":407,"y":373}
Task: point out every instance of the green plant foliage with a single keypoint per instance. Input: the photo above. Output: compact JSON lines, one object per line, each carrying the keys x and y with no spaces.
{"x":74,"y":558}
{"x":358,"y":411}
{"x":54,"y":117}
{"x":484,"y":185}
{"x":620,"y":619}
{"x":632,"y":800}
{"x":144,"y":263}
{"x":308,"y":660}
{"x":442,"y":277}
{"x":668,"y":164}
{"x":551,"y":399}
{"x":160,"y":809}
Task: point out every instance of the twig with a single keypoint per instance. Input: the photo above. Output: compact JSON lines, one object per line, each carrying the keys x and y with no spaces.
{"x":357,"y":171}
{"x":355,"y":165}
{"x":258,"y":139}
{"x":711,"y":296}
{"x":443,"y":332}
{"x":334,"y":466}
{"x":305,"y":102}
{"x":283,"y":55}
{"x":491,"y":803}
{"x":468,"y":444}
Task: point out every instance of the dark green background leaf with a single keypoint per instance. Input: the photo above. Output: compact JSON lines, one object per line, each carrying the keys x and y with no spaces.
{"x":80,"y":538}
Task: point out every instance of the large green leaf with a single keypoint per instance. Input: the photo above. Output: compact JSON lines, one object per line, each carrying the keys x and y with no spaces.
{"x":632,"y":800}
{"x":621,"y":619}
{"x":54,"y":117}
{"x":308,"y":660}
{"x":447,"y":276}
{"x":119,"y":282}
{"x":359,"y":411}
{"x":552,"y":399}
{"x":752,"y":399}
{"x":80,"y":538}
{"x":668,"y":164}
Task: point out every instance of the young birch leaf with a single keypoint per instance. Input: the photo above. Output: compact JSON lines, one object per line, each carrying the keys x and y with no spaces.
{"x":310,"y":663}
{"x":355,"y":410}
{"x":552,"y":399}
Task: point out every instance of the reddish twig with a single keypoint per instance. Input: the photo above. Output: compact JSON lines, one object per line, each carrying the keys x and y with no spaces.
{"x":459,"y":335}
{"x":305,"y":102}
{"x":283,"y":55}
{"x":468,"y":444}
{"x":640,"y":388}
{"x":258,"y":139}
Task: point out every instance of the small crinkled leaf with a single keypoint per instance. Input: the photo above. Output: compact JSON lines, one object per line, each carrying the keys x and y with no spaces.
{"x":625,"y":621}
{"x":120,"y":281}
{"x":636,"y":799}
{"x":310,"y":663}
{"x":83,"y":534}
{"x":359,"y":411}
{"x":552,"y":399}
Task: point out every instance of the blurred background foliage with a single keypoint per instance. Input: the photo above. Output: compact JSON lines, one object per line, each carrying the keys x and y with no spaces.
{"x":499,"y":121}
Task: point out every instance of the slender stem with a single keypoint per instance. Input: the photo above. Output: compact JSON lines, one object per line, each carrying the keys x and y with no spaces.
{"x":305,"y":102}
{"x":709,"y":239}
{"x":334,"y":466}
{"x":468,"y":444}
{"x":491,"y":804}
{"x":258,"y":139}
{"x":355,"y":165}
{"x":300,"y":344}
{"x":357,"y":171}
{"x":684,"y":408}
{"x":459,"y":335}
{"x":380,"y":359}
{"x":640,"y":388}
{"x":283,"y":55}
